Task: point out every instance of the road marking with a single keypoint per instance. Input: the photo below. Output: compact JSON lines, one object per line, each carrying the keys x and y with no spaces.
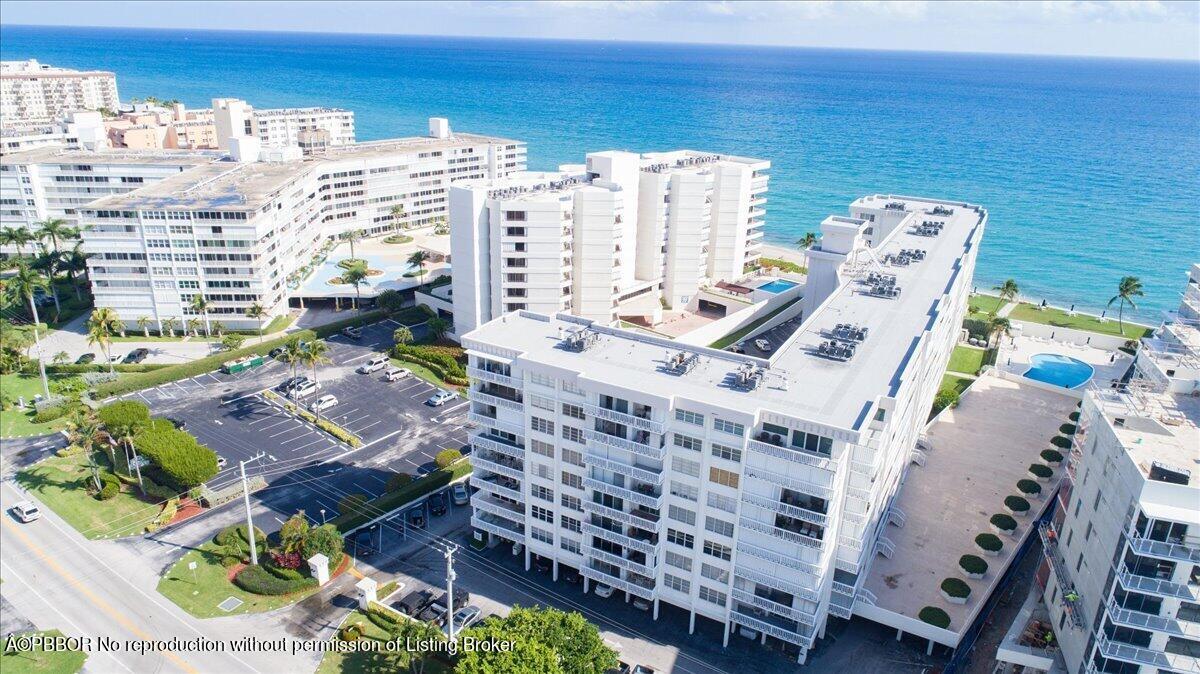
{"x":393,"y":433}
{"x":272,"y":457}
{"x":270,"y":415}
{"x":218,"y":422}
{"x":359,"y":431}
{"x":248,"y":395}
{"x":422,"y":394}
{"x":284,"y":421}
{"x":284,"y":432}
{"x":213,"y":377}
{"x":309,"y":444}
{"x":365,"y":355}
{"x":445,"y":414}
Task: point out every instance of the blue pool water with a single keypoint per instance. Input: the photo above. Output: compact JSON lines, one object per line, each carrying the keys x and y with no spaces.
{"x":777,"y":286}
{"x":393,"y":268}
{"x":1059,"y":370}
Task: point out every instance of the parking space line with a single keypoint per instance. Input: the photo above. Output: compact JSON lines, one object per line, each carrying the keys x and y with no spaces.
{"x":271,"y":414}
{"x":351,"y":360}
{"x":411,"y":385}
{"x":248,"y":395}
{"x":360,"y":430}
{"x":286,"y":430}
{"x":284,"y":421}
{"x":309,"y":444}
{"x":421,"y":394}
{"x":212,"y":376}
{"x":393,"y":433}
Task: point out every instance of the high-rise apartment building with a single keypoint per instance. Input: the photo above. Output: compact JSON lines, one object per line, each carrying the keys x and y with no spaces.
{"x":1121,"y":576}
{"x":749,"y":491}
{"x":589,"y":237}
{"x":31,"y":92}
{"x":311,"y":129}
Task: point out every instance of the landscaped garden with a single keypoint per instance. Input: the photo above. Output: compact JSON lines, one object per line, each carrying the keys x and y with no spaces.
{"x":1060,"y":318}
{"x":967,"y":360}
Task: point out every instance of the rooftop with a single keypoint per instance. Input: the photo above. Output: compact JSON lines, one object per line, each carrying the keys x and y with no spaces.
{"x":1158,"y":429}
{"x":220,"y":185}
{"x":799,"y":382}
{"x":686,"y":159}
{"x":412,"y":144}
{"x":56,"y":155}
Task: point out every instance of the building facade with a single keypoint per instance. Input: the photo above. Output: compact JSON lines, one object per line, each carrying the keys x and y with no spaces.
{"x":31,"y":92}
{"x":744,"y":490}
{"x":313,"y":130}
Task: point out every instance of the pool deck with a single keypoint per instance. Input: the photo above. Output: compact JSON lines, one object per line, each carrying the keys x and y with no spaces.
{"x":392,"y":259}
{"x":1017,"y":353}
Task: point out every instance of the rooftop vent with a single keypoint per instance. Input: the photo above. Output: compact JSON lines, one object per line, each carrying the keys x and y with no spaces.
{"x":894,"y":206}
{"x":941,"y":210}
{"x":849,"y":332}
{"x":748,"y":377}
{"x":681,"y":362}
{"x":905,"y":257}
{"x":581,"y":340}
{"x":929,"y":228}
{"x":882,"y":285}
{"x":836,"y":349}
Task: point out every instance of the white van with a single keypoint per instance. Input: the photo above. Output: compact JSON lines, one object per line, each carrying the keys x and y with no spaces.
{"x":375,"y":364}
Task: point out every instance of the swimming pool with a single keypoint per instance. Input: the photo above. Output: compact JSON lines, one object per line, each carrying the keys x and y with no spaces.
{"x":1059,"y":370}
{"x":778,"y":285}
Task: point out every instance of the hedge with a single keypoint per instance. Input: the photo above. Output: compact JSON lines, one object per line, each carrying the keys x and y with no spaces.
{"x":444,"y":366}
{"x":321,"y":423}
{"x":1040,"y":470}
{"x":257,"y":580}
{"x":237,"y":537}
{"x":398,"y":238}
{"x":446,"y":457}
{"x":184,"y":462}
{"x":1003,"y":522}
{"x":389,"y":501}
{"x":50,"y":414}
{"x":72,"y":368}
{"x":112,"y":486}
{"x":139,"y":381}
{"x":1016,"y":503}
{"x":1029,"y":487}
{"x":972,"y":564}
{"x":956,"y":587}
{"x":1067,"y":429}
{"x":934,"y":616}
{"x":989,"y":542}
{"x":1060,"y":441}
{"x":1052,"y":455}
{"x":398,"y":480}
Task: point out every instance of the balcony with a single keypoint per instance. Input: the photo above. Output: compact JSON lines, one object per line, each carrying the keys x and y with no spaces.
{"x":497,"y":445}
{"x":641,"y":546}
{"x":489,"y":421}
{"x":793,"y":454}
{"x":785,"y":509}
{"x":478,"y":462}
{"x":494,"y":377}
{"x":636,"y":518}
{"x":499,"y":487}
{"x":1118,"y":650}
{"x":774,"y":607}
{"x":780,"y":533}
{"x":503,"y":403}
{"x":1154,"y":623}
{"x":791,"y":483}
{"x":627,"y":445}
{"x":641,"y":474}
{"x":490,"y":504}
{"x":789,"y":561}
{"x":648,"y":500}
{"x":622,"y":562}
{"x":1071,"y":600}
{"x":639,"y":422}
{"x":775,"y":582}
{"x":1157,"y":586}
{"x":499,"y":527}
{"x":626,"y":586}
{"x":769,"y":629}
{"x":1179,"y":552}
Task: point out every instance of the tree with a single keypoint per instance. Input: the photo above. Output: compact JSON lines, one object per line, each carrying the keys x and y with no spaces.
{"x":292,"y":354}
{"x":575,"y":643}
{"x":256,"y":312}
{"x":232,"y":341}
{"x":997,"y":327}
{"x":193,"y":326}
{"x":440,"y":226}
{"x":354,"y":275}
{"x":527,"y":656}
{"x":201,"y":306}
{"x":75,"y":263}
{"x":352,"y":237}
{"x":293,"y":532}
{"x":1129,"y":288}
{"x":55,"y":229}
{"x":168,"y":324}
{"x":391,"y":300}
{"x":326,"y":540}
{"x":19,"y":237}
{"x":182,"y":461}
{"x":48,"y":263}
{"x":61,"y":358}
{"x":446,"y":457}
{"x":24,"y":283}
{"x":219,"y":328}
{"x":402,"y":335}
{"x":84,"y":431}
{"x":314,"y":354}
{"x":418,"y":260}
{"x":437,"y":327}
{"x":807,"y":241}
{"x":101,"y":327}
{"x":144,"y":322}
{"x":398,"y":213}
{"x":1008,"y":292}
{"x":123,"y":420}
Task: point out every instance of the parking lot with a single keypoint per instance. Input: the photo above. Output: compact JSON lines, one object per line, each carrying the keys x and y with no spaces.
{"x":399,"y":431}
{"x":776,"y":336}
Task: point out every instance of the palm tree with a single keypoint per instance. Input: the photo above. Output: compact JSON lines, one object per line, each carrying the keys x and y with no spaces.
{"x":353,"y":236}
{"x":21,"y":237}
{"x":997,"y":326}
{"x":402,"y":335}
{"x":256,"y":312}
{"x":807,"y":241}
{"x":85,"y":432}
{"x":8,"y":236}
{"x":61,"y":358}
{"x":48,"y":262}
{"x":398,"y":214}
{"x":201,"y":306}
{"x":1008,"y":292}
{"x":219,"y":328}
{"x":144,"y":322}
{"x":168,"y":325}
{"x":1129,"y":288}
{"x":354,"y":275}
{"x":292,"y":353}
{"x":75,"y":262}
{"x":24,"y":284}
{"x":55,"y":229}
{"x":193,"y":326}
{"x":418,"y":260}
{"x":437,"y":327}
{"x":123,"y":435}
{"x":101,"y":326}
{"x":314,"y":354}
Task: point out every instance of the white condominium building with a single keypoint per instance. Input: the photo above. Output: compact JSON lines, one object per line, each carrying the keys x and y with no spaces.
{"x":1121,"y":578}
{"x":31,"y":92}
{"x":744,"y":490}
{"x":311,"y":129}
{"x":237,"y":231}
{"x":589,"y":237}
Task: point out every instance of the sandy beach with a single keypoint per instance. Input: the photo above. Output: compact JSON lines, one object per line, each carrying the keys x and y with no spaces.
{"x":784,"y":253}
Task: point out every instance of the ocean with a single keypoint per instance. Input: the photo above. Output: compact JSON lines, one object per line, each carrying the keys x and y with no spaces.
{"x":1090,"y":168}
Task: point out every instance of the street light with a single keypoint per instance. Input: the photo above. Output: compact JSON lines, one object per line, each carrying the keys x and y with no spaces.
{"x":322,"y":516}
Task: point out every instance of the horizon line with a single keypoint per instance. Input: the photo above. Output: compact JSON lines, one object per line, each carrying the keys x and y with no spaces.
{"x":1163,"y":59}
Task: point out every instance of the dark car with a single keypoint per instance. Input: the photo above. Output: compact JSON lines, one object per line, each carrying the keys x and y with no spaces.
{"x":352,"y":332}
{"x":461,"y":599}
{"x":542,"y":564}
{"x":85,"y":359}
{"x":570,"y":575}
{"x":290,"y":383}
{"x":364,"y":543}
{"x":177,"y":422}
{"x":621,"y":668}
{"x":416,"y":517}
{"x":437,"y":503}
{"x":436,"y":611}
{"x":412,"y":603}
{"x":274,"y":353}
{"x":433,"y":613}
{"x":137,"y":356}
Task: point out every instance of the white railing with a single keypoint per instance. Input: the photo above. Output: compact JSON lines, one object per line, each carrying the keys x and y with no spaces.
{"x":1144,"y":621}
{"x":1167,"y":550}
{"x":1162,"y":588}
{"x":491,"y":445}
{"x":643,"y":475}
{"x":1142,"y":656}
{"x":789,"y":561}
{"x":782,"y":508}
{"x":843,"y":588}
{"x":617,"y":560}
{"x":791,"y":483}
{"x":494,"y":377}
{"x":641,"y":423}
{"x":624,"y":585}
{"x":775,"y":582}
{"x":505,"y":403}
{"x":627,"y":445}
{"x":793,"y":454}
{"x":897,"y":516}
{"x":497,"y":489}
{"x":769,"y":629}
{"x":840,"y":611}
{"x":655,"y":502}
{"x":621,"y":516}
{"x":850,"y":542}
{"x":480,"y":463}
{"x":482,"y":502}
{"x":783,"y":534}
{"x":774,"y":607}
{"x":502,"y":532}
{"x":641,"y":546}
{"x":493,"y":422}
{"x":866,"y":596}
{"x":885,"y":547}
{"x":918,"y":457}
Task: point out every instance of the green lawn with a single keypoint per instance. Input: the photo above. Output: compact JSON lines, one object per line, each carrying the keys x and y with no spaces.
{"x":967,"y":359}
{"x":17,"y":422}
{"x":956,"y":383}
{"x":278,"y":324}
{"x":983,"y":306}
{"x":60,"y":484}
{"x":735,"y":336}
{"x":199,"y":595}
{"x":367,"y":662}
{"x":425,"y":373}
{"x":39,"y":661}
{"x":1061,"y":319}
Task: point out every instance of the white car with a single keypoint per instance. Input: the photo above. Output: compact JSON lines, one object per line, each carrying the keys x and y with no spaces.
{"x":603,"y":591}
{"x":323,"y":403}
{"x":221,"y":461}
{"x":463,"y":618}
{"x":762,"y":344}
{"x":460,"y":494}
{"x":395,"y":373}
{"x":305,"y":388}
{"x":375,"y":364}
{"x":26,"y":511}
{"x":440,"y":398}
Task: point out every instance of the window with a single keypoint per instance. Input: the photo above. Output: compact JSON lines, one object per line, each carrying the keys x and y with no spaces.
{"x":681,"y":515}
{"x":574,"y":411}
{"x":723,"y":477}
{"x":677,"y":584}
{"x":727,"y":453}
{"x":1096,"y":503}
{"x":573,"y":434}
{"x":687,"y":442}
{"x":685,"y":466}
{"x":717,"y":550}
{"x":572,"y":480}
{"x":572,"y":457}
{"x":680,"y":538}
{"x":541,"y":470}
{"x":570,"y":523}
{"x":812,"y":442}
{"x":542,"y":402}
{"x":689,"y":417}
{"x":543,"y":448}
{"x":684,"y":491}
{"x":714,"y":573}
{"x":721,"y":502}
{"x":712,"y":596}
{"x":678,"y":561}
{"x":719,"y":526}
{"x":543,"y":493}
{"x":543,"y":514}
{"x":1079,"y":563}
{"x":541,"y":425}
{"x":729,"y":427}
{"x":1087,"y":536}
{"x":542,"y":535}
{"x":572,"y":502}
{"x":542,"y":379}
{"x":1078,"y":505}
{"x":569,"y":545}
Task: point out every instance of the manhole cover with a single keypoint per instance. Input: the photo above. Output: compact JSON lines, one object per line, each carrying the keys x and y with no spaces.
{"x":229,"y":604}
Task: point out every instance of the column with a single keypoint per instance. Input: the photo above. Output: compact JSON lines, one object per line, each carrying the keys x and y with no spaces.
{"x":692,"y":622}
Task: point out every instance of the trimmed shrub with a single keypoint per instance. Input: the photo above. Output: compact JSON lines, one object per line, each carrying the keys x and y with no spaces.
{"x":956,"y":587}
{"x":184,"y":462}
{"x":446,"y":457}
{"x":398,"y":481}
{"x":1016,"y":503}
{"x":1040,"y":470}
{"x":112,"y":486}
{"x":441,"y":360}
{"x":934,"y":616}
{"x":944,"y":399}
{"x":1073,"y":416}
{"x":237,"y":538}
{"x":1029,"y":487}
{"x":326,"y":540}
{"x":1052,"y":455}
{"x":398,"y":238}
{"x":382,"y":619}
{"x":50,"y":414}
{"x":258,"y":580}
{"x":972,"y":564}
{"x":1061,"y":441}
{"x":124,"y":413}
{"x":1067,"y":429}
{"x":1003,"y":522}
{"x":989,"y":542}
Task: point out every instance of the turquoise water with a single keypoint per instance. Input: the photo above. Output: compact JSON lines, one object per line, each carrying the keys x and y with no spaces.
{"x":392,"y":266}
{"x":1059,"y":370}
{"x":777,"y":286}
{"x":1089,"y":167}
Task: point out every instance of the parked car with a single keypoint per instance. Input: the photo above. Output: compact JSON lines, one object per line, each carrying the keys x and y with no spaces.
{"x":748,"y":633}
{"x":641,"y":604}
{"x":414,"y":601}
{"x":642,"y":669}
{"x":433,"y":613}
{"x":463,"y":618}
{"x":178,"y":423}
{"x":352,"y":332}
{"x":460,"y":494}
{"x":438,"y":503}
{"x":440,"y":398}
{"x":439,"y":605}
{"x":603,"y":591}
{"x":26,"y":511}
{"x":740,"y":347}
{"x":621,"y":668}
{"x":363,"y":543}
{"x":416,"y":517}
{"x":762,"y":344}
{"x":221,"y":461}
{"x":374,"y":364}
{"x":276,"y":352}
{"x":571,"y":576}
{"x":323,"y":403}
{"x":291,"y":383}
{"x":136,"y":356}
{"x":542,"y":564}
{"x":85,"y":359}
{"x":395,"y":373}
{"x":305,"y":388}
{"x":115,"y":358}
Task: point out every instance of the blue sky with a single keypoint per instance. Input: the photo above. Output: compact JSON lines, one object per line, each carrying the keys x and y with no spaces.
{"x":1120,"y":29}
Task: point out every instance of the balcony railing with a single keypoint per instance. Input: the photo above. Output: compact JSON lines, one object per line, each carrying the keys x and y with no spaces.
{"x":506,"y":532}
{"x":791,"y":483}
{"x":1157,"y":586}
{"x":782,"y":508}
{"x":793,"y":454}
{"x":498,"y":446}
{"x":644,"y":547}
{"x":1151,"y":622}
{"x":504,"y":403}
{"x":1144,"y":656}
{"x":1179,"y":552}
{"x":624,"y":585}
{"x":617,"y":560}
{"x":771,"y":630}
{"x":493,"y":422}
{"x":627,"y":445}
{"x":789,"y":561}
{"x":783,"y":534}
{"x":641,"y":423}
{"x":633,"y":519}
{"x":643,"y":475}
{"x":655,"y":502}
{"x":774,"y":607}
{"x":486,"y":503}
{"x":1071,"y":601}
{"x":494,"y":377}
{"x":480,"y":463}
{"x":498,"y":489}
{"x":775,"y":582}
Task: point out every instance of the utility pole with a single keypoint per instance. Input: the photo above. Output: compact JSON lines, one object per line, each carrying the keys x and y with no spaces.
{"x":246,"y":499}
{"x":449,"y":551}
